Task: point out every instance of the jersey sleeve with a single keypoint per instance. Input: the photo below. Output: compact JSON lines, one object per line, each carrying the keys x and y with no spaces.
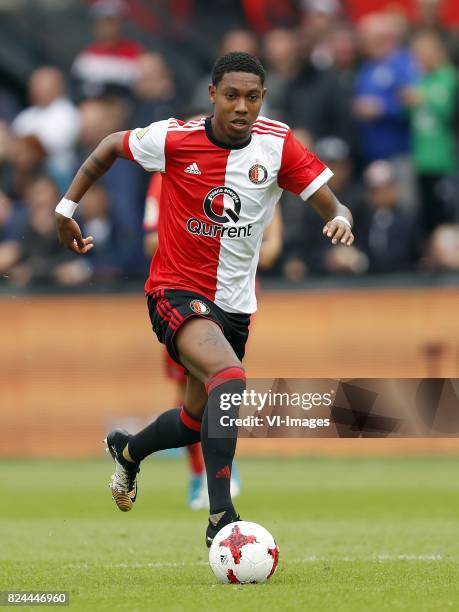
{"x":147,"y":145}
{"x":301,"y":172}
{"x":151,"y":213}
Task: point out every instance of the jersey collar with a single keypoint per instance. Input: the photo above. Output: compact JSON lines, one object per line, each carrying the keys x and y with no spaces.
{"x":218,"y":143}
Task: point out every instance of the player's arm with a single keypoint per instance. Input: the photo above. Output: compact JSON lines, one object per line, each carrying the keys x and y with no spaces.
{"x":96,"y":165}
{"x":337,"y":217}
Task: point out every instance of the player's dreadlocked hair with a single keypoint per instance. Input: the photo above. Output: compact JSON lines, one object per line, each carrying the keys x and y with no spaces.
{"x":237,"y":62}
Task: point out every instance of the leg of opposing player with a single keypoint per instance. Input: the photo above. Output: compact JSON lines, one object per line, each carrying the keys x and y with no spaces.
{"x":197,"y":487}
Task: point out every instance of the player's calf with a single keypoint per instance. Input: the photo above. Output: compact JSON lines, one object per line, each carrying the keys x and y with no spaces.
{"x":219,"y":445}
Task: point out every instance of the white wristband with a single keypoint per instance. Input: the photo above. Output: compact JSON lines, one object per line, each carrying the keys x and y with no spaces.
{"x":343,"y":219}
{"x":66,"y":208}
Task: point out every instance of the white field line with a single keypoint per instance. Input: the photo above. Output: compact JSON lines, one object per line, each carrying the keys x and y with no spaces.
{"x":310,"y":559}
{"x":158,"y":565}
{"x":383,"y":557}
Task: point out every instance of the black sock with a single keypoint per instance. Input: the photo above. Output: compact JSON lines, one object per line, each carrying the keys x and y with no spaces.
{"x":172,"y":429}
{"x":219,"y":444}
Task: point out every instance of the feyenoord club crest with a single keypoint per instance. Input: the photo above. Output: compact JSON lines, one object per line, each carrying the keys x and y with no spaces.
{"x":258,"y":174}
{"x":199,"y":307}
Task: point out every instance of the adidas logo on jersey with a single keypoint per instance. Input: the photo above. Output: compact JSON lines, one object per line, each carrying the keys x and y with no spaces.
{"x":193,"y":169}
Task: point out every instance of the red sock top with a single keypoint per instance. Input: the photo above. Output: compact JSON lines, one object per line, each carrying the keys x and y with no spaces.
{"x":189,"y":420}
{"x":223,"y":376}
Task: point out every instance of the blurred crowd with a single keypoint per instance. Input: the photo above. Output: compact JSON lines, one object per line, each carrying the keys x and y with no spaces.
{"x":377,"y":100}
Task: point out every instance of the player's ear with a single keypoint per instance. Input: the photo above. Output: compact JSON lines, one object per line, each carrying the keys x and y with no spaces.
{"x":212,"y":93}
{"x":263,"y":93}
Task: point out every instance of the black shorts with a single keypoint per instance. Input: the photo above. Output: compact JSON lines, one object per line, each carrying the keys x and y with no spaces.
{"x":170,"y":308}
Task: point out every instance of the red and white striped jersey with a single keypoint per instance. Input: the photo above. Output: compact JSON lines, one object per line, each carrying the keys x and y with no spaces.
{"x":216,"y":200}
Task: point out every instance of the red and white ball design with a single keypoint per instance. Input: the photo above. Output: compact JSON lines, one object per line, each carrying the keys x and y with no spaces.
{"x":243,"y":552}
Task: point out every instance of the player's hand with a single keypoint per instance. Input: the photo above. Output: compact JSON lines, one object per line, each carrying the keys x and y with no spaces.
{"x":69,"y":234}
{"x":339,"y":232}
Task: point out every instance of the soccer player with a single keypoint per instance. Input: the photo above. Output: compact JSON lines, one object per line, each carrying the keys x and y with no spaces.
{"x":269,"y":252}
{"x":197,"y":487}
{"x":222,"y":177}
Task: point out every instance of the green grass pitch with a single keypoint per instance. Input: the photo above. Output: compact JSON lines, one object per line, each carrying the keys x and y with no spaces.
{"x":354,"y":535}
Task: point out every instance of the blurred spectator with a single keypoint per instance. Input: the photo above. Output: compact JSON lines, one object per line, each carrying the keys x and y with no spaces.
{"x":433,"y":107}
{"x":443,"y":252}
{"x":101,"y":263}
{"x":6,"y":154}
{"x":346,"y":260}
{"x":53,"y":120}
{"x":386,"y":240}
{"x":239,"y":40}
{"x":381,"y":81}
{"x":336,"y":154}
{"x":265,"y":15}
{"x":387,"y":233}
{"x":12,"y":219}
{"x":448,"y":192}
{"x":293,"y":214}
{"x":154,"y":91}
{"x":125,"y":182}
{"x":350,"y":110}
{"x":233,"y":40}
{"x":215,"y":17}
{"x":281,"y":50}
{"x":40,"y":252}
{"x":307,"y":252}
{"x":342,"y":41}
{"x":428,"y":13}
{"x":319,"y":19}
{"x":26,"y":162}
{"x":99,"y":118}
{"x":400,"y":22}
{"x":9,"y":106}
{"x":429,"y":17}
{"x":314,"y":99}
{"x":96,"y":221}
{"x":109,"y":65}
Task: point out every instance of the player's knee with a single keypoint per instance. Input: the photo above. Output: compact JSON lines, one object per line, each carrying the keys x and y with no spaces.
{"x":226,"y":364}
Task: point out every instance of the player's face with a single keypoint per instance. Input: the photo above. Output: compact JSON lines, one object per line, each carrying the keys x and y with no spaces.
{"x":237,"y":101}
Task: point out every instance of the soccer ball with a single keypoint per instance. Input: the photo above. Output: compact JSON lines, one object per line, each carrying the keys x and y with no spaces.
{"x":243,"y":552}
